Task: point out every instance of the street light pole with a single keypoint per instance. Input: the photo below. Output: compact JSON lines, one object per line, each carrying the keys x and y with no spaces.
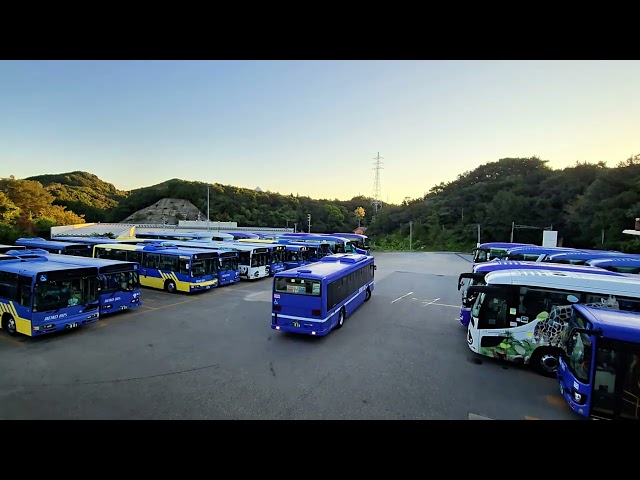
{"x":410,"y":236}
{"x":513,"y":225}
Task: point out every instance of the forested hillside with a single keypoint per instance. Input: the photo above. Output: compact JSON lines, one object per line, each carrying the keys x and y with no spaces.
{"x":588,"y":204}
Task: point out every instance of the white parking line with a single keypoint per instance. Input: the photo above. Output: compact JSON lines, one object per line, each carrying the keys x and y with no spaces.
{"x":431,"y":302}
{"x":400,"y":298}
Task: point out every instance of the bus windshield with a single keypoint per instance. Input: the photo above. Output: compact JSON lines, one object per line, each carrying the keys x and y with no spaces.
{"x":229,"y":263}
{"x":56,"y":294}
{"x":579,"y":355}
{"x":121,"y":282}
{"x":205,"y":266}
{"x":299,"y":286}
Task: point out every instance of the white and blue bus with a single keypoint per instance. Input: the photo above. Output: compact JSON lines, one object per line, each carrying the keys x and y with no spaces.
{"x":481,"y":270}
{"x":626,"y":265}
{"x":599,"y":372}
{"x":511,"y":317}
{"x":315,"y":299}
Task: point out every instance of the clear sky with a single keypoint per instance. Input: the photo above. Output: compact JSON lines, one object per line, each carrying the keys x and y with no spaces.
{"x":311,"y":127}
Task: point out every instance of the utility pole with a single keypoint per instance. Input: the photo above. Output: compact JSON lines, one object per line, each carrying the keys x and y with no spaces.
{"x":513,"y":225}
{"x":295,"y":227}
{"x":478,"y":235}
{"x":410,"y":236}
{"x":208,"y":208}
{"x":309,"y":219}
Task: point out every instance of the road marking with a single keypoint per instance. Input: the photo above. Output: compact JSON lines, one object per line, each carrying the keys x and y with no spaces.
{"x":445,"y":305}
{"x":430,"y":303}
{"x":527,"y":417}
{"x":473,"y":416}
{"x":400,"y":298}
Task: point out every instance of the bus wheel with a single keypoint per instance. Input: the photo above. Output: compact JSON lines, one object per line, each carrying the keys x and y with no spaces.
{"x":367,"y":295}
{"x":9,"y":324}
{"x":170,"y":286}
{"x":340,"y":318}
{"x":546,"y":360}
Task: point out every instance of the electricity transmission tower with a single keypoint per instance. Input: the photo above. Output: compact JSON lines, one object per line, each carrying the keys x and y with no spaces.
{"x":375,"y":199}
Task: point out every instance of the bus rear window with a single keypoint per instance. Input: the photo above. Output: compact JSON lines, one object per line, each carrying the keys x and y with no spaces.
{"x":298,"y":286}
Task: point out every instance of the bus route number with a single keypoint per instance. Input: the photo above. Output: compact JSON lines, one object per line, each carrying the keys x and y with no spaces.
{"x":295,"y":323}
{"x":71,"y":325}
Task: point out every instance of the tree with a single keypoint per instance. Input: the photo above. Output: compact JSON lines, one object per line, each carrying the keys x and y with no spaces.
{"x":359,"y":213}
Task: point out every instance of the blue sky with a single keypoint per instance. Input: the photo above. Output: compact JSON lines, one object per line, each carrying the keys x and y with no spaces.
{"x":311,"y":127}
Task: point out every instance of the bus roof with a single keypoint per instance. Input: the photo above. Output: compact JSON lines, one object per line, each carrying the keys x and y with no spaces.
{"x":155,"y":248}
{"x":615,"y":262}
{"x":495,"y":265}
{"x":38,"y":241}
{"x":328,"y":266}
{"x":500,"y":245}
{"x":566,"y":280}
{"x":615,"y":324}
{"x":84,"y":261}
{"x":42,"y":264}
{"x":349,"y":235}
{"x":539,"y":249}
{"x":583,"y":255}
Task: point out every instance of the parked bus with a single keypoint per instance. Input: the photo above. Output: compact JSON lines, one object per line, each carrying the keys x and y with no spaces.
{"x":511,"y":320}
{"x":337,"y":244}
{"x":314,"y":251}
{"x":55,"y":246}
{"x":534,"y":253}
{"x":186,"y":236}
{"x":118,"y":286}
{"x":486,"y":252}
{"x":581,"y":257}
{"x":95,"y":240}
{"x":599,"y":373}
{"x":253,"y":260}
{"x":276,"y":253}
{"x":480,"y":271}
{"x":316,"y":298}
{"x":6,"y":248}
{"x":296,"y":256}
{"x":626,"y":265}
{"x":40,"y":296}
{"x":167,"y":268}
{"x":243,"y":235}
{"x":361,"y":241}
{"x":228,"y":271}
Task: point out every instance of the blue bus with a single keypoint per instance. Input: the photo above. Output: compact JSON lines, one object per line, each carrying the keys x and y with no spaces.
{"x":627,"y":265}
{"x":185,"y":236}
{"x":119,"y":285}
{"x":481,"y":270}
{"x":167,"y":268}
{"x":296,"y":256}
{"x":337,"y":244}
{"x":40,"y":296}
{"x":316,"y":298}
{"x":316,"y":250}
{"x":599,"y":366}
{"x":581,"y":257}
{"x":6,"y":248}
{"x":243,"y":235}
{"x":485,"y":252}
{"x":534,"y":253}
{"x":361,"y":241}
{"x":228,"y":268}
{"x":55,"y":246}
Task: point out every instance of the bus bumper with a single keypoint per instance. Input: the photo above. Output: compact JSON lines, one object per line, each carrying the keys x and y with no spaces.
{"x":305,"y":327}
{"x":570,"y":388}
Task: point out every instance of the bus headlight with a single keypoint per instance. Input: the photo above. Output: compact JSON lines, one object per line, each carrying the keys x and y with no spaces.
{"x":579,"y":398}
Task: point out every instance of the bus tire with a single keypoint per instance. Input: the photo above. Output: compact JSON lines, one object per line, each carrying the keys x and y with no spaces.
{"x":367,"y":295}
{"x":170,"y":286}
{"x":341,"y":317}
{"x":9,"y":324}
{"x":545,"y":360}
